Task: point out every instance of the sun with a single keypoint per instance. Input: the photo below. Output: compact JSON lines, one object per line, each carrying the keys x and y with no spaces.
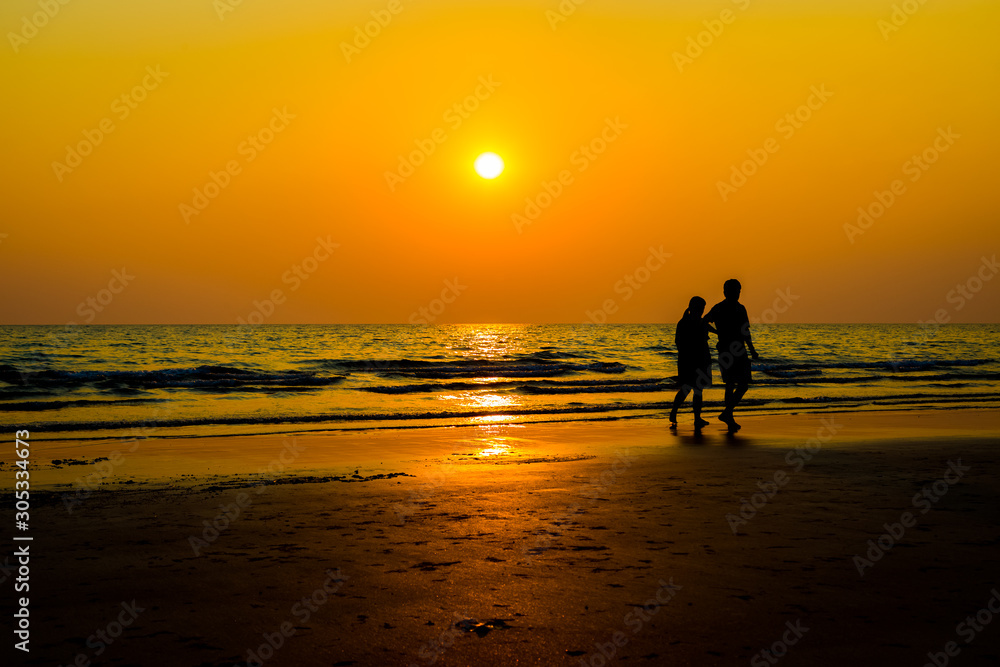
{"x":489,"y":165}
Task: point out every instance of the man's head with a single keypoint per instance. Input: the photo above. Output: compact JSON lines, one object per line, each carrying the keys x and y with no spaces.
{"x":731,"y":289}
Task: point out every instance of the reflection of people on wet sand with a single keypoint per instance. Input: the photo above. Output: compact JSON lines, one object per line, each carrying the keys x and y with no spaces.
{"x":733,"y":328}
{"x":694,"y":361}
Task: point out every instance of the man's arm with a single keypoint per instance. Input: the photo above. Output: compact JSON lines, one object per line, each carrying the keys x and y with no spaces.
{"x":712,"y":316}
{"x":746,"y":333}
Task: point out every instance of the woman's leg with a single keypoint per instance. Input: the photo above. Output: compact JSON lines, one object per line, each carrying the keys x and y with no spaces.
{"x":678,"y":400}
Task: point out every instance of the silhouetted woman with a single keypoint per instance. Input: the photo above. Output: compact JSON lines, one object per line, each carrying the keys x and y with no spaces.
{"x":694,"y":360}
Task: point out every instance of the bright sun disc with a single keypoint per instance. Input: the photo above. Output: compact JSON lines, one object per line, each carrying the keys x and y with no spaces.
{"x":489,"y":165}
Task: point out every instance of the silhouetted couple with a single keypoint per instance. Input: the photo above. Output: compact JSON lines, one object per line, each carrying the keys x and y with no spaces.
{"x":694,"y":361}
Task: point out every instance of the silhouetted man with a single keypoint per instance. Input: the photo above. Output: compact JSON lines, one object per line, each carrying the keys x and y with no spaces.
{"x":733,"y":327}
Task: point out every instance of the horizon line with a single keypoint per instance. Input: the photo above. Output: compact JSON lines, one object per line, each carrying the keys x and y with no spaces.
{"x":69,"y":325}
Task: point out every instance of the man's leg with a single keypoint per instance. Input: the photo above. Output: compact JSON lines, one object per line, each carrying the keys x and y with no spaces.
{"x":738,"y":392}
{"x":732,"y":400}
{"x":730,"y":404}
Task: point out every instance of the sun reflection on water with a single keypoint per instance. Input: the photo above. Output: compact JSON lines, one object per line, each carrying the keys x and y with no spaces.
{"x":492,"y":441}
{"x":474,"y":400}
{"x":491,"y":419}
{"x":497,"y":448}
{"x":485,"y":343}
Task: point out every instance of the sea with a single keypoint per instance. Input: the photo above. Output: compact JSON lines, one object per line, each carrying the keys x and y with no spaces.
{"x":170,"y":381}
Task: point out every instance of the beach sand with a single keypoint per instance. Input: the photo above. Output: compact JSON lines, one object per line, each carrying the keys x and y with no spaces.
{"x":547,"y":544}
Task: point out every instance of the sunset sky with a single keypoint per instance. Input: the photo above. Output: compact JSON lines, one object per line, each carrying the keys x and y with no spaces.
{"x":184,"y":161}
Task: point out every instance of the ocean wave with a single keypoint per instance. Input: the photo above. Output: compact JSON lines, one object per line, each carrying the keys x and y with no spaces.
{"x":815,"y":378}
{"x":617,"y":388}
{"x":539,"y":387}
{"x":886,"y":364}
{"x":40,"y":406}
{"x":631,"y":385}
{"x":335,"y":417}
{"x":200,"y":377}
{"x":540,"y":364}
{"x":406,"y":377}
{"x":426,"y":388}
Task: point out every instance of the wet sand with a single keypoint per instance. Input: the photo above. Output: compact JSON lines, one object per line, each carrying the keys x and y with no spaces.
{"x":537,"y":545}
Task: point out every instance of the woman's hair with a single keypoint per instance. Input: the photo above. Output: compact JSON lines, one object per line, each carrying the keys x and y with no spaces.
{"x":696,"y":303}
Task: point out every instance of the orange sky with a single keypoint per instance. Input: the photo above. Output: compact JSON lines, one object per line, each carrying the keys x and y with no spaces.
{"x":308,"y":127}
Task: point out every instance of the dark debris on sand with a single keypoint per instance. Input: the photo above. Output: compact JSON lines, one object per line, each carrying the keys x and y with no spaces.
{"x":482,"y":628}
